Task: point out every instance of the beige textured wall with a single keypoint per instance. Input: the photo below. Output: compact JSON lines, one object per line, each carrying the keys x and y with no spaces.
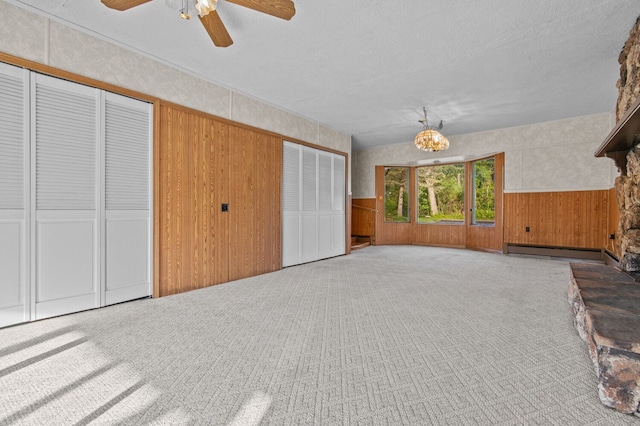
{"x":551,"y":156}
{"x":39,"y":39}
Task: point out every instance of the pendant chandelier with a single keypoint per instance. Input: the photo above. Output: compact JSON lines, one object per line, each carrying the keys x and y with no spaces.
{"x":430,"y":139}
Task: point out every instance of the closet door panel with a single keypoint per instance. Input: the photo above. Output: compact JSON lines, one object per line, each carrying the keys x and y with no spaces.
{"x":338,"y":239}
{"x":215,"y":169}
{"x":174,"y":199}
{"x":325,"y":194}
{"x":127,"y":267}
{"x":67,"y":263}
{"x":324,"y":235}
{"x":65,"y":143}
{"x":290,"y":239}
{"x":267,"y":246}
{"x":193,"y":176}
{"x":313,"y":193}
{"x":67,"y":257}
{"x":127,"y":198}
{"x":291,"y":181}
{"x":309,"y":232}
{"x":13,"y":306}
{"x":242,"y":209}
{"x":14,"y":196}
{"x":309,"y":213}
{"x":338,"y":236}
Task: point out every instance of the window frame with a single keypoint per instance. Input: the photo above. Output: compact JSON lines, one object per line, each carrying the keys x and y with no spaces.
{"x":407,"y":192}
{"x":462,"y":221}
{"x":473,"y":199}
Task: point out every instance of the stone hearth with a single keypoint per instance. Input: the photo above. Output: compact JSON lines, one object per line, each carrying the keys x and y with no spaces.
{"x":606,"y":305}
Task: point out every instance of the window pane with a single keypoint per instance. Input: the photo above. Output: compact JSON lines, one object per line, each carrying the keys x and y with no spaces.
{"x":396,"y":194}
{"x":441,"y":194}
{"x":484,"y":199}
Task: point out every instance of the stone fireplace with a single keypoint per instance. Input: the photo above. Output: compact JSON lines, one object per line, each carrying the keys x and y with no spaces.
{"x":626,"y":154}
{"x":606,"y":300}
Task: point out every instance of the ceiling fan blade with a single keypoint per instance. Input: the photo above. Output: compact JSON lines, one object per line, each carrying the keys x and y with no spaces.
{"x":216,"y":29}
{"x":284,"y":9}
{"x":123,"y":4}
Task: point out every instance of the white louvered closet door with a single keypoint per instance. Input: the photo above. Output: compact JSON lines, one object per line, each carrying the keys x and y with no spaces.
{"x":64,"y":135}
{"x":291,"y":182}
{"x":127,"y":198}
{"x":309,"y":213}
{"x":14,"y":196}
{"x":313,"y":205}
{"x":338,"y":211}
{"x":325,"y":185}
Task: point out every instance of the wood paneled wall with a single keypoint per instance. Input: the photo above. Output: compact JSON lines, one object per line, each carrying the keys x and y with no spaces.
{"x":574,"y":219}
{"x":255,"y":176}
{"x":439,"y":235}
{"x":363,"y":217}
{"x":613,"y":221}
{"x":204,"y":162}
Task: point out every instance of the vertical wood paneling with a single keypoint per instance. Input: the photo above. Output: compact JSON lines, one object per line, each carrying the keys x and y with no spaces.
{"x":268,"y":251}
{"x":363,"y":219}
{"x":242,"y":178}
{"x":613,"y":220}
{"x":193,"y":181}
{"x":218,"y":152}
{"x":576,"y":219}
{"x":439,"y":235}
{"x":205,"y":162}
{"x":174,"y":195}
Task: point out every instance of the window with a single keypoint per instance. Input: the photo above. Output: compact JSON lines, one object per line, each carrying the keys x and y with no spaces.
{"x":484,"y":199}
{"x":396,"y":194}
{"x":441,"y":194}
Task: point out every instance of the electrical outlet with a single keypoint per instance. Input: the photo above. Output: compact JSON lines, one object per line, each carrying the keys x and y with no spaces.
{"x":527,"y":229}
{"x":612,"y":236}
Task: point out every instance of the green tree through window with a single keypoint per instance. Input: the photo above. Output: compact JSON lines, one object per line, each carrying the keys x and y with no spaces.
{"x":484,"y":198}
{"x":396,"y":194}
{"x":441,"y":194}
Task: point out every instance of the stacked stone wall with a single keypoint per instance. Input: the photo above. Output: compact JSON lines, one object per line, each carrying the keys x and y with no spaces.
{"x":629,"y":83}
{"x":628,"y":187}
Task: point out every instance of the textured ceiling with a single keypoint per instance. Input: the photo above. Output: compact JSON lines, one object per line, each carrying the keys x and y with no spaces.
{"x":367,"y":67}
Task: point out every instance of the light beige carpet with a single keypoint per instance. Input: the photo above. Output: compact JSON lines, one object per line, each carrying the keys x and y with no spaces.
{"x":387,"y":336}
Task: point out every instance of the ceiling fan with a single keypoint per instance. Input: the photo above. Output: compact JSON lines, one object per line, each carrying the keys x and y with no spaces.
{"x":284,"y":9}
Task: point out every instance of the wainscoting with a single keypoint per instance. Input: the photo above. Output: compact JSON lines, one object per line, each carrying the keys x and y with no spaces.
{"x":573,"y":219}
{"x":568,"y":219}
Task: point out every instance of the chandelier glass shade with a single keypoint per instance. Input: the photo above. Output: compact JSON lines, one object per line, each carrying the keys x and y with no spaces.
{"x":430,"y":139}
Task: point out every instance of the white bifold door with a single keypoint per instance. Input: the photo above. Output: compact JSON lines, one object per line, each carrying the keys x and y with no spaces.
{"x":14,"y":196}
{"x":81,"y":238}
{"x":313,"y":204}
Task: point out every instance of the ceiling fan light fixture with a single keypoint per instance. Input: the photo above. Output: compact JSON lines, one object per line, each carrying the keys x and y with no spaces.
{"x":204,"y":7}
{"x":430,"y":139}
